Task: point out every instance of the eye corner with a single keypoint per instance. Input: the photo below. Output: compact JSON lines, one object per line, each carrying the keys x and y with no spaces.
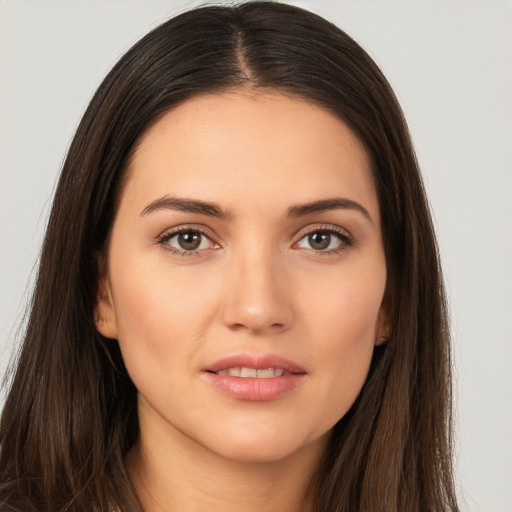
{"x":199,"y":240}
{"x":327,"y":244}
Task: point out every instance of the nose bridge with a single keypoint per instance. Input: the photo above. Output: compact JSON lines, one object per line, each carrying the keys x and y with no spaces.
{"x":256,"y":296}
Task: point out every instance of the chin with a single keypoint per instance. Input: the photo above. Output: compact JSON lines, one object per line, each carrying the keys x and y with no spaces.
{"x":265,"y":446}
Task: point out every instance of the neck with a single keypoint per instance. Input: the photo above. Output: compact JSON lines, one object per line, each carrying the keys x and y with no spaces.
{"x":172,"y":473}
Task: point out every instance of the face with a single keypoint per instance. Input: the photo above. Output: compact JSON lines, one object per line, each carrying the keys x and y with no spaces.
{"x":245,"y":274}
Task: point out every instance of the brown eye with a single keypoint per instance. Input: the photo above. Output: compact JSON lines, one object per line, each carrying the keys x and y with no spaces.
{"x":319,"y":240}
{"x":324,"y":240}
{"x":188,"y":241}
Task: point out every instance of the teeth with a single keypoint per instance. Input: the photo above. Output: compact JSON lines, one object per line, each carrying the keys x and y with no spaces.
{"x":234,"y":372}
{"x":266,"y":373}
{"x":270,"y":372}
{"x":248,"y":372}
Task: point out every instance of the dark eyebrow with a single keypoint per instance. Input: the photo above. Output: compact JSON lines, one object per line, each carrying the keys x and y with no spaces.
{"x":186,"y":205}
{"x":328,"y":204}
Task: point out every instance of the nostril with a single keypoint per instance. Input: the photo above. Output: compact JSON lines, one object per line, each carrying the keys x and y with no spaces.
{"x":257,"y":309}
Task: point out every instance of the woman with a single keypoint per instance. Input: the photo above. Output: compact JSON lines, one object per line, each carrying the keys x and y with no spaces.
{"x":208,"y":342}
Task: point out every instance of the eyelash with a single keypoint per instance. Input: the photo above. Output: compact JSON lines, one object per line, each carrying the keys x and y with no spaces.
{"x":169,"y":235}
{"x":346,"y":240}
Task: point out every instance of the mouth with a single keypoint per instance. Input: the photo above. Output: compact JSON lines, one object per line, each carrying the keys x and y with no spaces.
{"x":264,"y":366}
{"x":254,"y":373}
{"x":255,"y":379}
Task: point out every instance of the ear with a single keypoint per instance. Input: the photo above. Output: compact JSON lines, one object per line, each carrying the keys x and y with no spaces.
{"x":105,"y":316}
{"x":383,"y":328}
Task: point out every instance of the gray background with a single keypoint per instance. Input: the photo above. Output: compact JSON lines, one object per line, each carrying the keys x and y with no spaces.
{"x":450,"y":64}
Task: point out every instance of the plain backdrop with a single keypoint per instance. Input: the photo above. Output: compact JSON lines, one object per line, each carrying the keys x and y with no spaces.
{"x":450,"y":64}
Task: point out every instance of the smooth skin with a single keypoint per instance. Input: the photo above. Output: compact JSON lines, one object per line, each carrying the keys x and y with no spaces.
{"x":251,"y":272}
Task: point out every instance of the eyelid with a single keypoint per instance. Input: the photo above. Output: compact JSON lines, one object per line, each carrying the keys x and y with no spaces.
{"x":312,"y":228}
{"x":169,"y":233}
{"x":345,"y":236}
{"x":342,"y":233}
{"x":180,"y":228}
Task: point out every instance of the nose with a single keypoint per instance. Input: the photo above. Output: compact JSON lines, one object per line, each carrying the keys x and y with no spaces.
{"x":258,"y":294}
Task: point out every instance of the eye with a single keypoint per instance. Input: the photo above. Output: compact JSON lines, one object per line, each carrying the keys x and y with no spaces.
{"x":187,"y":241}
{"x":324,"y":240}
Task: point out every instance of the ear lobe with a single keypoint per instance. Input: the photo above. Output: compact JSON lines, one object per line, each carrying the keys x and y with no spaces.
{"x":104,"y":312}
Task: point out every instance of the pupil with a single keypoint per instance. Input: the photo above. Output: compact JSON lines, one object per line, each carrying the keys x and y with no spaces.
{"x":189,"y":241}
{"x":320,"y":240}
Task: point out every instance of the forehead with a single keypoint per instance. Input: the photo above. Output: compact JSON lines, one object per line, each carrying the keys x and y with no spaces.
{"x":225,"y":145}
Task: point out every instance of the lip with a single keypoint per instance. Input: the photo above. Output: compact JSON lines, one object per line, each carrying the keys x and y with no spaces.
{"x":259,"y":362}
{"x":255,"y":389}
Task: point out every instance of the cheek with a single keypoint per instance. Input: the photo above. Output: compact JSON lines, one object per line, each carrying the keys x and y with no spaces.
{"x":349,"y":343}
{"x":160,"y":315}
{"x":343,"y":322}
{"x":150,"y":293}
{"x":344,"y":305}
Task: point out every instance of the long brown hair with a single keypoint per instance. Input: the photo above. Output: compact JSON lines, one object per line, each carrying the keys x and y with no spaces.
{"x":71,"y":416}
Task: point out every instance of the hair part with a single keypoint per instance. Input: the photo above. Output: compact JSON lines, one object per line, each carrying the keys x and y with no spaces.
{"x":71,"y":414}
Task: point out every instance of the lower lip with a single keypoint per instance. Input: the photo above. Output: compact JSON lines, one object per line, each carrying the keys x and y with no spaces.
{"x":254,"y":389}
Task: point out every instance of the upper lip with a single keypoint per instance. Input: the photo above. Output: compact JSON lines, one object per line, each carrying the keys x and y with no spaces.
{"x":259,"y":362}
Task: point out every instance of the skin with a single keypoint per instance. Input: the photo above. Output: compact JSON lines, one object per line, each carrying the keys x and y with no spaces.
{"x":256,"y":285}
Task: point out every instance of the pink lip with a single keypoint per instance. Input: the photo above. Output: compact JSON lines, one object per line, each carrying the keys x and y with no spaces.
{"x":259,"y":362}
{"x":254,"y":389}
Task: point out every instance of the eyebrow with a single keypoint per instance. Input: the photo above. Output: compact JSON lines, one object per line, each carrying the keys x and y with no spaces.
{"x":326,"y":205}
{"x":186,"y":205}
{"x":213,"y":210}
